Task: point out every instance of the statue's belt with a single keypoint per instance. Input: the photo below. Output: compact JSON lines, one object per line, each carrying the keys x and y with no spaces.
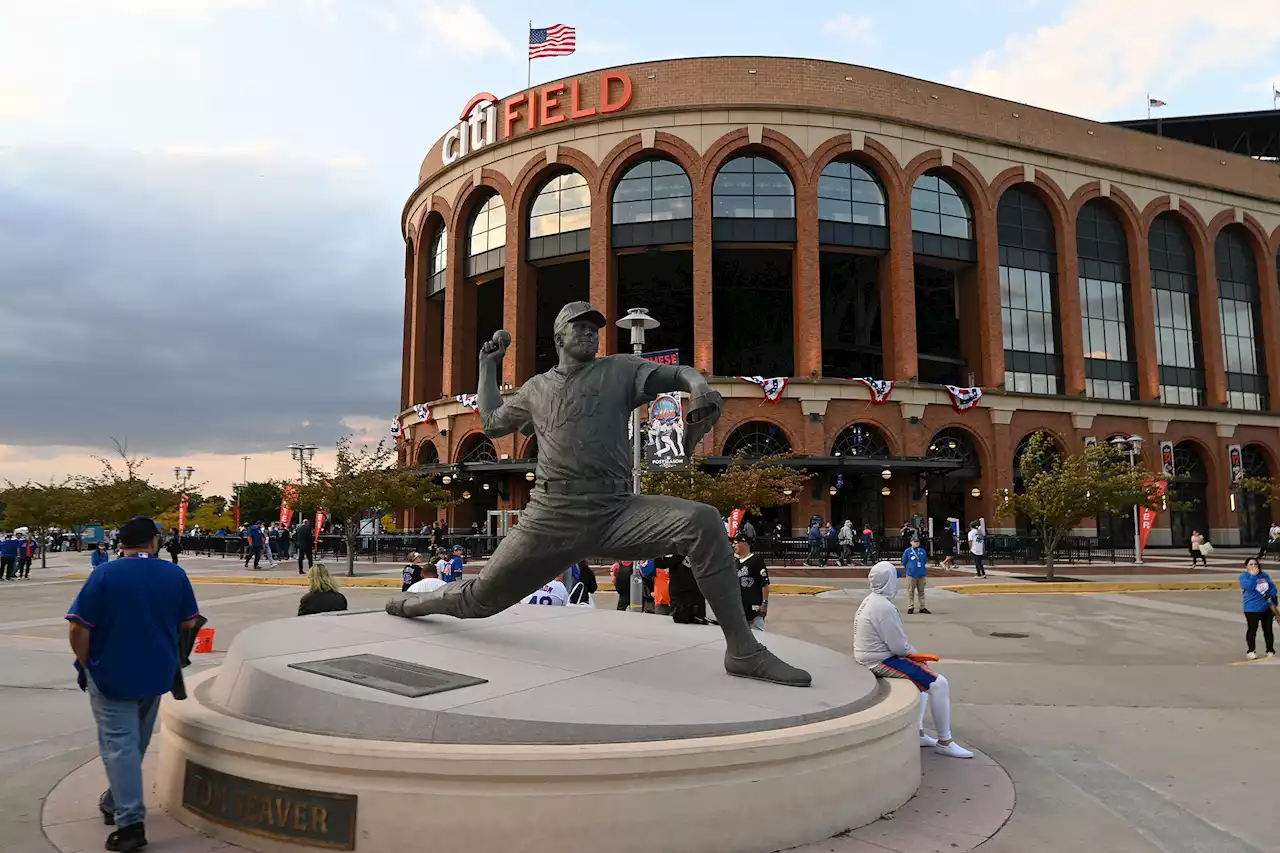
{"x":585,"y":487}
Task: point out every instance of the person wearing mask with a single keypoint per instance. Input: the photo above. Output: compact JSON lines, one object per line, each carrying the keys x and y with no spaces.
{"x":99,"y":555}
{"x":430,"y":581}
{"x":304,"y":539}
{"x":1259,"y":603}
{"x":916,"y":562}
{"x":8,"y":557}
{"x":815,"y":544}
{"x":977,"y":547}
{"x":412,"y":572}
{"x":453,"y":572}
{"x":1197,"y":542}
{"x":124,"y":632}
{"x":584,"y":583}
{"x":880,"y":644}
{"x":323,"y":596}
{"x":27,"y":549}
{"x":753,"y":578}
{"x":174,"y":546}
{"x":253,"y":545}
{"x":830,"y":543}
{"x":846,"y":537}
{"x":621,"y":572}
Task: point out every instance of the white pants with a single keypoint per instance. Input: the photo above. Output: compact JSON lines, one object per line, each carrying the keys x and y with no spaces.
{"x":940,"y":694}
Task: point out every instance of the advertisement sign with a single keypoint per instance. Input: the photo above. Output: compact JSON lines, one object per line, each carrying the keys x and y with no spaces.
{"x":1147,"y":518}
{"x":237,"y":514}
{"x":666,"y":356}
{"x":664,"y":449}
{"x":319,"y":523}
{"x":182,"y":515}
{"x":1090,"y":441}
{"x":286,"y":505}
{"x":1166,"y":458}
{"x":1237,"y":465}
{"x":735,"y":521}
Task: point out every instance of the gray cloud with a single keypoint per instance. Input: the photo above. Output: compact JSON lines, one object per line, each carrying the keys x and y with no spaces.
{"x":193,"y":302}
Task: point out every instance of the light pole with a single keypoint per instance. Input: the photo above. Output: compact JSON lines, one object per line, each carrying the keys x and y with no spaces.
{"x":637,"y":322}
{"x":303,"y":454}
{"x":183,"y":475}
{"x":1131,"y":445}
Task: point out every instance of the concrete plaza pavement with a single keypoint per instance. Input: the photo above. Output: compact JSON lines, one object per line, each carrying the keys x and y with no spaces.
{"x":1126,"y":721}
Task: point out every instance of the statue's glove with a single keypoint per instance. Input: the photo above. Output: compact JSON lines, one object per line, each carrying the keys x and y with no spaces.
{"x":704,"y":411}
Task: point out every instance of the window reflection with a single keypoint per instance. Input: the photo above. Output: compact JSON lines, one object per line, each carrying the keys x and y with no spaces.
{"x":752,"y":187}
{"x":848,"y":193}
{"x":1028,"y":303}
{"x":488,"y":227}
{"x":938,"y":207}
{"x":563,"y":205}
{"x":653,"y":191}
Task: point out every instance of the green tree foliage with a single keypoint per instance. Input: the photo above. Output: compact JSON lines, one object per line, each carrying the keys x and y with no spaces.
{"x":260,"y":501}
{"x":364,"y":479}
{"x":747,"y":484}
{"x":120,"y":492}
{"x":1061,"y":490}
{"x":40,"y":506}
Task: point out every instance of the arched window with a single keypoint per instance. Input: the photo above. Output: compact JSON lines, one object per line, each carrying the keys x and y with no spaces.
{"x":1177,"y":315}
{"x":653,"y":205}
{"x":478,"y":448}
{"x":1028,"y":293}
{"x":427,"y":454}
{"x":1255,"y":515}
{"x":851,"y":207}
{"x":1239,"y":307}
{"x":757,"y":438}
{"x":1109,"y":368}
{"x":560,"y":218}
{"x":753,"y":188}
{"x":860,"y":440}
{"x":939,"y":207}
{"x":437,"y":261}
{"x":487,"y":237}
{"x":952,"y":445}
{"x":1188,"y":494}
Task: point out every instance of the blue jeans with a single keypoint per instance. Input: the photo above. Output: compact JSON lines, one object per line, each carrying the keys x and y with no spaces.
{"x":124,"y":732}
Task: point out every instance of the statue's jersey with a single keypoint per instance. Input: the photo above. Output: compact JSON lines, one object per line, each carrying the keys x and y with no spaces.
{"x":580,"y":417}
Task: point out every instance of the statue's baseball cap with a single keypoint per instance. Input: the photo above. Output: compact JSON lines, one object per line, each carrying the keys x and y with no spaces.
{"x":580,"y":311}
{"x":137,"y":532}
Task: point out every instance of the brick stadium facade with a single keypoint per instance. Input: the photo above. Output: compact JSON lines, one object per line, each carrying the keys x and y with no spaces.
{"x":788,"y":217}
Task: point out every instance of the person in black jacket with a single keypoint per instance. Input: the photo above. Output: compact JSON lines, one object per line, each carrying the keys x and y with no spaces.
{"x":323,"y":596}
{"x":174,"y":547}
{"x":584,"y":583}
{"x":687,"y":604}
{"x":304,"y":538}
{"x":412,"y":572}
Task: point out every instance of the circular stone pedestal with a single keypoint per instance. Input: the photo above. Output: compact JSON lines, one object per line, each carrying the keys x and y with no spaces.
{"x":592,"y":730}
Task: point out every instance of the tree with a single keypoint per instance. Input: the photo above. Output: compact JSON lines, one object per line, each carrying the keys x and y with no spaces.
{"x":364,"y":480}
{"x":120,"y":492}
{"x":747,"y":484}
{"x":1061,"y":490}
{"x":38,"y":507}
{"x":260,"y":501}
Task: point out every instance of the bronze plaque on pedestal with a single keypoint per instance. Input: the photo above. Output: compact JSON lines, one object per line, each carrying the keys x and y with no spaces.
{"x":312,"y":818}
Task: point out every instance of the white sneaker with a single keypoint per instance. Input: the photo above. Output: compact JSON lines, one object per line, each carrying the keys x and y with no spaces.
{"x":953,"y":750}
{"x":1251,"y":656}
{"x":926,"y":741}
{"x":1271,"y":654}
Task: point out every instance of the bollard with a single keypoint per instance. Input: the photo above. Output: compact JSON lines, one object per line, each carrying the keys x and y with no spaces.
{"x":637,"y":589}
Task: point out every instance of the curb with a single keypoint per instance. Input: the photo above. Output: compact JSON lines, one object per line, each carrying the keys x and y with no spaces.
{"x":1031,"y":588}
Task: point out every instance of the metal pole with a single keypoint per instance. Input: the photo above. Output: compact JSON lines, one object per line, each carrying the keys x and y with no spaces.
{"x":1137,"y":529}
{"x":636,"y":347}
{"x":528,"y":82}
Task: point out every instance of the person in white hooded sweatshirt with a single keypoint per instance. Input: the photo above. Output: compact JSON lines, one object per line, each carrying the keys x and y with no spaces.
{"x":880,"y":644}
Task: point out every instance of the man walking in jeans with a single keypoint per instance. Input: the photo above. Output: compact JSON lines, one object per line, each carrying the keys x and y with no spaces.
{"x":124,"y":632}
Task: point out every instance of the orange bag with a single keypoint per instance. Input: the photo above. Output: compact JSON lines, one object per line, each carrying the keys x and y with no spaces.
{"x":662,"y":587}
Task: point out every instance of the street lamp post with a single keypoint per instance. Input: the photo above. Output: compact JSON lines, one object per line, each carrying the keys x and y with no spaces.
{"x":303,"y":454}
{"x":183,"y":475}
{"x":637,"y":322}
{"x":1131,"y":445}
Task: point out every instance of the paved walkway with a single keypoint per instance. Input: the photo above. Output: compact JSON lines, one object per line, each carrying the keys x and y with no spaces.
{"x":960,"y":805}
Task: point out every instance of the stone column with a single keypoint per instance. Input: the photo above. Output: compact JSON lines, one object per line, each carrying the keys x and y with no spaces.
{"x":806,"y":289}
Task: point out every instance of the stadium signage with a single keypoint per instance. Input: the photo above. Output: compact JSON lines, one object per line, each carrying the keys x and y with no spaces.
{"x":546,"y":106}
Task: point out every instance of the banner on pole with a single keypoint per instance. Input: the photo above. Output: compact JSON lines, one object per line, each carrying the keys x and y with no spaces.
{"x":182,"y":515}
{"x":1236,"y":457}
{"x":664,"y":442}
{"x":1166,"y":458}
{"x":319,"y":523}
{"x":1147,"y":517}
{"x":237,"y":512}
{"x":735,"y":521}
{"x":286,"y":505}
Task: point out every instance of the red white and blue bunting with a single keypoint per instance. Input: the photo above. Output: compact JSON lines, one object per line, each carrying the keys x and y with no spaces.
{"x":880,"y":388}
{"x":964,"y":399}
{"x":773,"y":388}
{"x":468,"y":400}
{"x":423,"y":411}
{"x":396,"y":431}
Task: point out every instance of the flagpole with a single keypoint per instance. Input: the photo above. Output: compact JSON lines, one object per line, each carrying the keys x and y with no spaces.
{"x":528,"y":83}
{"x":1148,"y":106}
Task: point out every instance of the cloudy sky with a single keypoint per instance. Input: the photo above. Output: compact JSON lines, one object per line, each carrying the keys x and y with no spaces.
{"x":200,"y":199}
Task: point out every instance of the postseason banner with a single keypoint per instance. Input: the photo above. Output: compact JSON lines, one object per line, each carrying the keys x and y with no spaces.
{"x":664,"y":438}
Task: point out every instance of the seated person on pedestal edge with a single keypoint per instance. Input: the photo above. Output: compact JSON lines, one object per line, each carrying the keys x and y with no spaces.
{"x":880,"y":644}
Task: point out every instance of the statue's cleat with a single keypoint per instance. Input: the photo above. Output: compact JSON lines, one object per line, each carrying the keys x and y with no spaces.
{"x":395,"y":604}
{"x":764,"y":665}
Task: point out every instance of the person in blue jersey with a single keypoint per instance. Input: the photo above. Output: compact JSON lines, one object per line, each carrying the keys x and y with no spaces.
{"x":253,"y":544}
{"x":1259,"y":599}
{"x":8,"y":558}
{"x":124,"y":631}
{"x":916,"y":562}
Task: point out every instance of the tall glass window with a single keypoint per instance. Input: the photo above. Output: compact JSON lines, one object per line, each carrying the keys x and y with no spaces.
{"x":437,"y":261}
{"x":653,"y":191}
{"x":848,"y":193}
{"x":563,"y":205}
{"x":1109,"y":368}
{"x":937,"y":207}
{"x":751,"y":187}
{"x":1173,"y":292}
{"x":1239,"y":309}
{"x":1028,"y":294}
{"x":488,"y":227}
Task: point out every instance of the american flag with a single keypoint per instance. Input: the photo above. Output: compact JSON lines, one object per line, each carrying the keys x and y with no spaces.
{"x":1156,"y":102}
{"x":556,"y":40}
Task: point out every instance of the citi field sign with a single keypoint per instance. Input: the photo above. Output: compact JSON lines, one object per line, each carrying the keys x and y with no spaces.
{"x":480,"y":125}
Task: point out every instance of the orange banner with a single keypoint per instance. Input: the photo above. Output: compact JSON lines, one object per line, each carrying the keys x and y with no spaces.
{"x":319,"y":523}
{"x":735,"y":521}
{"x":182,"y":515}
{"x":1147,"y":517}
{"x":286,"y":506}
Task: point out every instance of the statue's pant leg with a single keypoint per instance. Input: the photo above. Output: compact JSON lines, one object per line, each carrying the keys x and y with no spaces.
{"x":522,"y":563}
{"x":648,"y":526}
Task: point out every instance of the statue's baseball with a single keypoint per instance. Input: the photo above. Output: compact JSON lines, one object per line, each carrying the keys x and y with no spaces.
{"x":502,"y":338}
